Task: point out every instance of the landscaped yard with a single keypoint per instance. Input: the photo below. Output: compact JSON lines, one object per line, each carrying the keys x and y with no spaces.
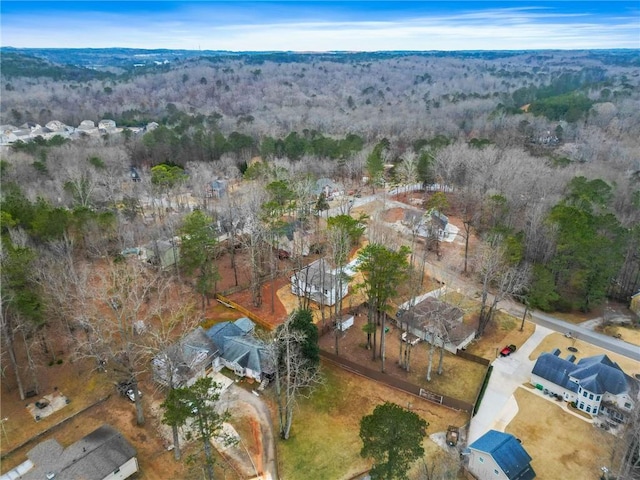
{"x":561,"y":445}
{"x":325,"y":441}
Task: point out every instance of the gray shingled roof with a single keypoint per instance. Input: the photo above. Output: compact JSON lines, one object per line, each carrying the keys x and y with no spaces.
{"x":596,"y":374}
{"x":221,"y":332}
{"x":245,"y":324}
{"x":249,"y":353}
{"x":319,"y":274}
{"x":508,"y":454}
{"x":92,"y":458}
{"x":430,"y":311}
{"x":187,"y":356}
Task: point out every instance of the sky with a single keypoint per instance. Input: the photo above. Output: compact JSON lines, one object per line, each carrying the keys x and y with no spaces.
{"x":321,"y":25}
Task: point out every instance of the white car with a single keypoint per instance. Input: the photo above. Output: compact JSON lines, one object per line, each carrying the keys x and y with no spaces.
{"x":131,"y":395}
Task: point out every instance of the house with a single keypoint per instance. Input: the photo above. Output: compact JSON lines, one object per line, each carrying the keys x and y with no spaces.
{"x":596,"y":385}
{"x":240,"y":351}
{"x":107,"y":126}
{"x":319,"y":282}
{"x":439,"y":222}
{"x":217,"y":189}
{"x":433,"y":319}
{"x":431,"y":224}
{"x":327,"y":186}
{"x":497,"y":455}
{"x":292,"y":239}
{"x":164,"y":253}
{"x":248,"y":357}
{"x":104,"y":454}
{"x":184,"y":362}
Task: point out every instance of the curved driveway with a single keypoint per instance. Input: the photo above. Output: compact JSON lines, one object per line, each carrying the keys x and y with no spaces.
{"x":235,"y":394}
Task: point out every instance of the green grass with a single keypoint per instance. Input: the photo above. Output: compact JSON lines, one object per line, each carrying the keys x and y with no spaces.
{"x":324,"y":441}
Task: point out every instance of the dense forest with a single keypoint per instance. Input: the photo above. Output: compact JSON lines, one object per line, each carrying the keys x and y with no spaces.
{"x":540,"y":151}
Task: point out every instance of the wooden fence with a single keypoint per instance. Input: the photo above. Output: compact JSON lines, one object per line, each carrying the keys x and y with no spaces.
{"x":249,"y":314}
{"x":391,"y":381}
{"x":473,"y":358}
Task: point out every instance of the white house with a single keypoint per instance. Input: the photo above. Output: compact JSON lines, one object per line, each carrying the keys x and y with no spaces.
{"x":499,"y":456}
{"x":104,"y":454}
{"x":597,"y":385}
{"x":319,"y":282}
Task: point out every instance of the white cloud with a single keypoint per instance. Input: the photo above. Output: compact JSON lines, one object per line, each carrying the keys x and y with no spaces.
{"x":512,"y":29}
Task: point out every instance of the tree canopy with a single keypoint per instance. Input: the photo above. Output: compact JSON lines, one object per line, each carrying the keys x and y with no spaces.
{"x":392,"y":436}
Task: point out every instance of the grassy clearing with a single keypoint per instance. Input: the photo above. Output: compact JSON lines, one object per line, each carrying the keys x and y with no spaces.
{"x":558,"y":442}
{"x":325,"y":442}
{"x":626,"y":333}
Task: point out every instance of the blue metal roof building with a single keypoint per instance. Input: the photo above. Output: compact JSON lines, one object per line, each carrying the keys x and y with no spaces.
{"x":498,"y":455}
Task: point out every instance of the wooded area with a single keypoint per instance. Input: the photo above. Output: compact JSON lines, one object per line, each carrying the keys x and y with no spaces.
{"x":536,"y":152}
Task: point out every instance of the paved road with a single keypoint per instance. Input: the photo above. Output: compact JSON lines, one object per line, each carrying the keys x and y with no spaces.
{"x":582,"y":332}
{"x":585,"y":334}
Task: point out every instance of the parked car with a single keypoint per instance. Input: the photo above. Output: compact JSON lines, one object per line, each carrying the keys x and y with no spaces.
{"x":508,"y":350}
{"x":453,"y":433}
{"x":131,"y":395}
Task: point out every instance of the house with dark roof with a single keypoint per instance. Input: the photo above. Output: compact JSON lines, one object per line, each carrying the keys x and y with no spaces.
{"x":104,"y":454}
{"x":432,"y":319}
{"x":500,"y":456}
{"x":240,"y":351}
{"x":320,"y":283}
{"x":184,"y":362}
{"x":596,"y":385}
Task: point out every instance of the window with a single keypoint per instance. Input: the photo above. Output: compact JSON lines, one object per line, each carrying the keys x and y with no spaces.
{"x":598,"y":398}
{"x":627,"y":405}
{"x":481,"y":460}
{"x":496,"y":472}
{"x":581,"y":406}
{"x":588,"y":408}
{"x":117,"y":470}
{"x":584,"y":394}
{"x":591,"y":396}
{"x":595,"y":410}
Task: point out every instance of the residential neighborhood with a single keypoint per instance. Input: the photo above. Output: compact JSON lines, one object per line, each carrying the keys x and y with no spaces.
{"x":302,"y":265}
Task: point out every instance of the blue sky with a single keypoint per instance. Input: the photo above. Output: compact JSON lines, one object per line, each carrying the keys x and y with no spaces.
{"x":321,"y":25}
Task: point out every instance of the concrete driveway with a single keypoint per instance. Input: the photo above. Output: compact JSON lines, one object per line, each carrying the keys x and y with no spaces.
{"x":498,"y":405}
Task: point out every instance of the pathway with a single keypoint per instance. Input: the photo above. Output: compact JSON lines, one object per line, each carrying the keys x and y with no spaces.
{"x":498,"y":406}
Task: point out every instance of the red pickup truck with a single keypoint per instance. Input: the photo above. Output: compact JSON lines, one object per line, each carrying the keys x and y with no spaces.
{"x":508,"y":350}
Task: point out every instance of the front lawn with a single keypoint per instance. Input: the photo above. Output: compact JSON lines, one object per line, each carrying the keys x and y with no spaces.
{"x":560,"y":444}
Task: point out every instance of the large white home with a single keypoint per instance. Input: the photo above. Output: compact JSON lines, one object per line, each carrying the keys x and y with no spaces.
{"x":597,"y":385}
{"x":319,"y":282}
